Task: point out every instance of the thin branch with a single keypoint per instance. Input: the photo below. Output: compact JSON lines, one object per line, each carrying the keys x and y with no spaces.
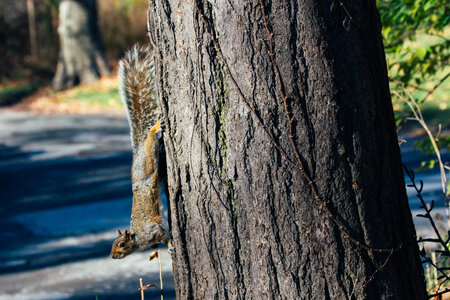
{"x":437,"y":268}
{"x":142,"y":288}
{"x":371,"y":277}
{"x":427,"y":209}
{"x":438,"y":35}
{"x":160,"y":275}
{"x":413,"y":85}
{"x":429,"y":240}
{"x":415,"y":109}
{"x":439,"y":239}
{"x":439,"y":293}
{"x":347,"y":12}
{"x":435,"y":87}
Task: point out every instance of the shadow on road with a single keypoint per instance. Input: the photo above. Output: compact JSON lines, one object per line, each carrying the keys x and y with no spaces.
{"x":64,"y":188}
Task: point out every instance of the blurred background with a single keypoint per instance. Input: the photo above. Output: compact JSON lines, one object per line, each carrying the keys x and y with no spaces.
{"x":65,"y":152}
{"x":31,"y":49}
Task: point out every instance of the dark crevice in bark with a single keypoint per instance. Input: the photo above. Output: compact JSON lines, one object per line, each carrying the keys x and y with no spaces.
{"x":274,"y":283}
{"x":222,"y":288}
{"x":162,"y":170}
{"x":208,"y":234}
{"x":168,"y":13}
{"x":327,"y":293}
{"x":181,"y":235}
{"x":275,"y":228}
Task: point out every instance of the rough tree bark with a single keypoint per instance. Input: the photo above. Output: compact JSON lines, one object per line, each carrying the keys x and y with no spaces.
{"x":246,"y":221}
{"x":81,"y":57}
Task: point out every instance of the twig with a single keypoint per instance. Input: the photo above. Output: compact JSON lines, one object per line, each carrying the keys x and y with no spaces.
{"x":413,"y":85}
{"x":142,"y":288}
{"x":427,"y":209}
{"x":371,"y":277}
{"x":157,"y":254}
{"x":428,"y":216}
{"x":347,"y":12}
{"x":439,"y":293}
{"x":160,"y":275}
{"x":437,"y":268}
{"x":435,"y":87}
{"x":433,"y":258}
{"x":415,"y":109}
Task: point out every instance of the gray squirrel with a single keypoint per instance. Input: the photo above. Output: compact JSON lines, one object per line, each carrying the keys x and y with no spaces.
{"x":138,"y":93}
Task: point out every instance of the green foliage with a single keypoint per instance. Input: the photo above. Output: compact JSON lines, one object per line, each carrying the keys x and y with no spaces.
{"x":426,"y":148}
{"x":104,"y":98}
{"x":10,"y":94}
{"x":404,"y":21}
{"x":8,"y":91}
{"x":417,"y":44}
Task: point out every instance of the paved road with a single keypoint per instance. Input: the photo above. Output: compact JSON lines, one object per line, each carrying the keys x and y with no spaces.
{"x":64,"y":189}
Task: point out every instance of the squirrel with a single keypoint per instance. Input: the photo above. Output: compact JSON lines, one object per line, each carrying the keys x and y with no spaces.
{"x":137,"y":89}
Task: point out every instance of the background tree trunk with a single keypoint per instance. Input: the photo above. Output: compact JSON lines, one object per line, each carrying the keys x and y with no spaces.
{"x":245,"y":222}
{"x":81,"y":57}
{"x":32,"y":29}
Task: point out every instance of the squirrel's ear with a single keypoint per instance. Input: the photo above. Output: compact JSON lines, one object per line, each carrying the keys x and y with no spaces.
{"x":127,"y":234}
{"x":118,"y":232}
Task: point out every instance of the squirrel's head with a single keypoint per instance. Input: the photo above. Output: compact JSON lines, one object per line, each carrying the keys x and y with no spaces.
{"x":122,"y":245}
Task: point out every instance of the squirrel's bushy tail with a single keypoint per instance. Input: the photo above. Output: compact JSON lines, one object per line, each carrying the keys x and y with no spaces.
{"x":138,"y":92}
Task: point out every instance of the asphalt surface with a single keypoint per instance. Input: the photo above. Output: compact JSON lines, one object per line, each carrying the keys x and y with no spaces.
{"x":64,"y":188}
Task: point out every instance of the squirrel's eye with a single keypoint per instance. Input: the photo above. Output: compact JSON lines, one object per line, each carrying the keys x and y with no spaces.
{"x":121,"y":245}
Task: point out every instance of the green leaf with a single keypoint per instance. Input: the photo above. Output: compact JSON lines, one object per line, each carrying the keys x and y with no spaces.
{"x":421,"y":53}
{"x":431,"y":164}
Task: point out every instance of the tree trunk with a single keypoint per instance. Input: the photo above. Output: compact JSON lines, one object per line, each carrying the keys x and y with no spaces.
{"x":81,"y":58}
{"x":283,"y":165}
{"x":32,"y":29}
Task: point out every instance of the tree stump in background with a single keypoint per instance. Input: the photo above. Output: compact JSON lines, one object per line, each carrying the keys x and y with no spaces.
{"x":81,"y":58}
